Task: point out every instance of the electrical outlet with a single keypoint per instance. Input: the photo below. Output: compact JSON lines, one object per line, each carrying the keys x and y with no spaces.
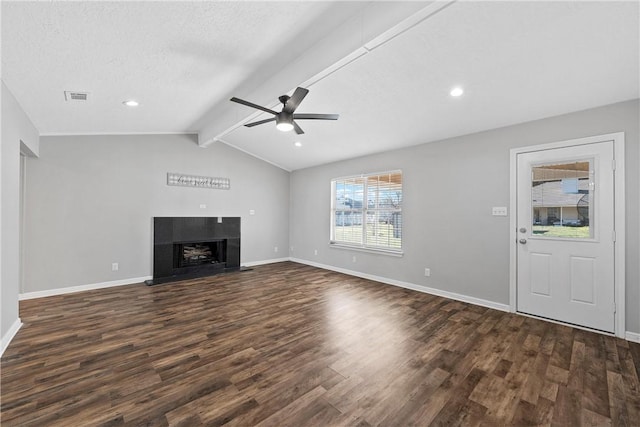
{"x":252,"y":212}
{"x":427,"y":272}
{"x":114,"y":266}
{"x":353,"y":259}
{"x":219,"y":220}
{"x":315,"y":252}
{"x":275,"y":249}
{"x":203,"y":206}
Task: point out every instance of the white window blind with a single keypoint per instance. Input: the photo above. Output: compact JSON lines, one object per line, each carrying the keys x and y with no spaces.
{"x":366,"y":211}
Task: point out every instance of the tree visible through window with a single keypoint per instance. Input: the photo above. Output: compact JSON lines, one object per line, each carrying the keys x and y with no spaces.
{"x":366,"y":211}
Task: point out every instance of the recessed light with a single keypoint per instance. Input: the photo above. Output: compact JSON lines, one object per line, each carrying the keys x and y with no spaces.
{"x":131,"y":103}
{"x":456,"y":91}
{"x":298,"y":144}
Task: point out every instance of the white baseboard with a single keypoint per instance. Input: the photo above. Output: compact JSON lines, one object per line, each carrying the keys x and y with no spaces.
{"x":407,"y":285}
{"x":6,"y":339}
{"x":90,"y":287}
{"x":71,"y":289}
{"x":266,"y":261}
{"x":632,"y":336}
{"x":629,"y":336}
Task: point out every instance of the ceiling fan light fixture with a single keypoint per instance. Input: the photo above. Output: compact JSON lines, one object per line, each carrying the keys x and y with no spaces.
{"x":284,"y":124}
{"x":286,"y":120}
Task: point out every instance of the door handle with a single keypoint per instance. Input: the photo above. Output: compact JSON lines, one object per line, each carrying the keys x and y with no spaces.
{"x":522,"y":241}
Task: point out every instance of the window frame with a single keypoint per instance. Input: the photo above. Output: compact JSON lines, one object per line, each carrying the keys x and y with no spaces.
{"x":364,"y":212}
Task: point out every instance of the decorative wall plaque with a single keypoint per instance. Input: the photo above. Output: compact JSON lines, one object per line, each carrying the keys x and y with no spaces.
{"x":198,"y":181}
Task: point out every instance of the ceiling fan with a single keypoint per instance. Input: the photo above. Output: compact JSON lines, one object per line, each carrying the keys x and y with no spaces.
{"x":285,"y":119}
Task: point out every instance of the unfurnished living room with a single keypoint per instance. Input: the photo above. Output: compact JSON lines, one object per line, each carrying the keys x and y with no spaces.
{"x":320,"y":213}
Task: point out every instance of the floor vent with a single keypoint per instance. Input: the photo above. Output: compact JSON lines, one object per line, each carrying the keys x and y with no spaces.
{"x":75,"y":95}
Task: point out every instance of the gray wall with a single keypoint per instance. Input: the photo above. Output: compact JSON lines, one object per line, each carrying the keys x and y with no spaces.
{"x":16,"y":129}
{"x":449,"y":189}
{"x":90,"y":202}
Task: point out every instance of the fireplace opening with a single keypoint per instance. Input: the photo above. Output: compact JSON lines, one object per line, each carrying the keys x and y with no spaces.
{"x":189,"y":254}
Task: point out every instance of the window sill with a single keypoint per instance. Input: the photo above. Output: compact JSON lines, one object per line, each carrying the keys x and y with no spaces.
{"x":368,"y":250}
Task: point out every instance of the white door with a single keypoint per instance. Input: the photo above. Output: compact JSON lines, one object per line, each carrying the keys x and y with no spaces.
{"x":565,"y":222}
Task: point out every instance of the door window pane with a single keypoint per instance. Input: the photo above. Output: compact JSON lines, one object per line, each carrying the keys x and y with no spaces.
{"x":561,"y":199}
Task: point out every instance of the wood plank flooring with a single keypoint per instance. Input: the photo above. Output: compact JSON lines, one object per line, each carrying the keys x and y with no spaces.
{"x":292,"y":345}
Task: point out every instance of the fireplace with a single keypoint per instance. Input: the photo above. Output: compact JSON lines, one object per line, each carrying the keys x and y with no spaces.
{"x":187,"y":254}
{"x":191,"y":247}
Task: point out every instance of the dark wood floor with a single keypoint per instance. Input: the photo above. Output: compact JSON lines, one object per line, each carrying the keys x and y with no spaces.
{"x":292,"y":345}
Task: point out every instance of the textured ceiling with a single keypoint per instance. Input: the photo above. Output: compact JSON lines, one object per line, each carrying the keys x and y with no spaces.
{"x":517,"y":61}
{"x":177,"y":58}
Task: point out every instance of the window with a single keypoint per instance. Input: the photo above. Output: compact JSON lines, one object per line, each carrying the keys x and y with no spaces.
{"x":562,"y":199}
{"x":366,"y":211}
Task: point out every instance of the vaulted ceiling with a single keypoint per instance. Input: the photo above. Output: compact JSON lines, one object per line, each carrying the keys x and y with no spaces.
{"x":386,"y":67}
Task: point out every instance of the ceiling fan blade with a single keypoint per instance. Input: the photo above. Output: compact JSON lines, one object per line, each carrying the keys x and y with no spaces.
{"x":251,"y":104}
{"x":295,"y":100}
{"x":312,"y":116}
{"x":260,"y":122}
{"x":297,"y":128}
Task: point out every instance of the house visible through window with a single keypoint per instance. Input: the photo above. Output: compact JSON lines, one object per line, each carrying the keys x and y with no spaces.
{"x":366,"y":211}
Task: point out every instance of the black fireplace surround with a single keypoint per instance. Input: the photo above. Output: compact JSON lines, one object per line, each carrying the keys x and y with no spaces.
{"x":191,"y":247}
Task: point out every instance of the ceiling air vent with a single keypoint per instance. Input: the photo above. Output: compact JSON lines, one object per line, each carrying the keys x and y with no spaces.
{"x":75,"y":95}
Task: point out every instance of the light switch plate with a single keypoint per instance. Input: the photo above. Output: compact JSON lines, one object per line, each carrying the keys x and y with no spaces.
{"x":499,"y":211}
